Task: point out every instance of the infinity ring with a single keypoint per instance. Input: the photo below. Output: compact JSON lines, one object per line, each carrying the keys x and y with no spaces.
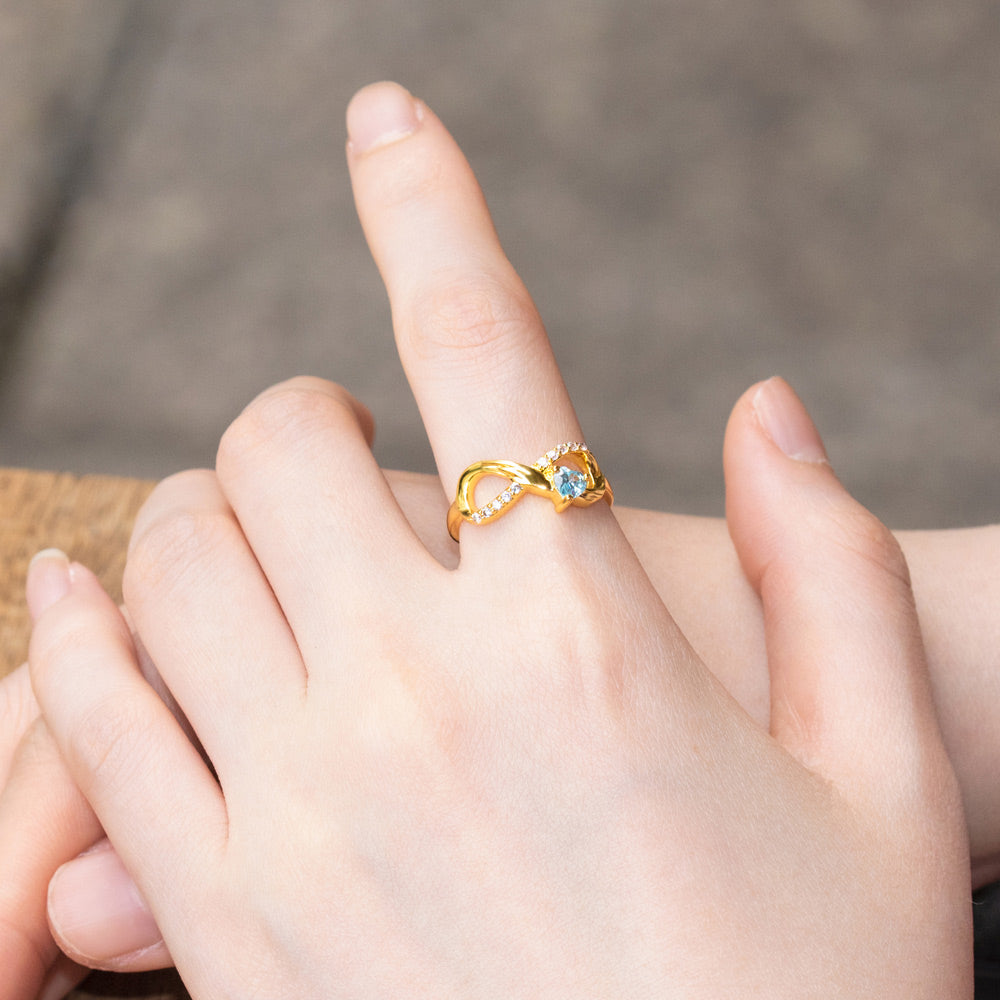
{"x":564,"y":485}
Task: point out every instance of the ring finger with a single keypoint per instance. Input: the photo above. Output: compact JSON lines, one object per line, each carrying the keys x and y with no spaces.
{"x":189,"y":563}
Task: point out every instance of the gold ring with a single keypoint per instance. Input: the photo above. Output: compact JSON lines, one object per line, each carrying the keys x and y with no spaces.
{"x":564,"y":485}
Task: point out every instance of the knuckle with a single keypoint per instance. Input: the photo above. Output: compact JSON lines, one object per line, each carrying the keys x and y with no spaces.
{"x":64,"y":636}
{"x":281,"y":419}
{"x":173,"y":546}
{"x":108,"y":741}
{"x":179,"y":490}
{"x":863,"y":537}
{"x":837,"y":538}
{"x":182,"y":486}
{"x":56,"y":637}
{"x":487,"y":314}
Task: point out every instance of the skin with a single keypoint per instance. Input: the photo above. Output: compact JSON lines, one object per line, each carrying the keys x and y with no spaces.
{"x":45,"y":821}
{"x":515,"y":777}
{"x":510,"y":823}
{"x":690,"y":563}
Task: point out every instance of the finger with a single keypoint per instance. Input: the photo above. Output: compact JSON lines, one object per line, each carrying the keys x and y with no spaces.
{"x":44,"y":821}
{"x":105,"y":936}
{"x":18,"y":710}
{"x":423,"y":503}
{"x":314,"y":506}
{"x":849,"y":689}
{"x":151,"y":791}
{"x":64,"y":975}
{"x":99,"y":916}
{"x":190,"y":562}
{"x":469,"y":336}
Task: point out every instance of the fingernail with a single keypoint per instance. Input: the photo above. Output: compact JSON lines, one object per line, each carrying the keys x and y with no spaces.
{"x":95,"y":907}
{"x":786,"y":422}
{"x":380,"y":114}
{"x":48,"y":580}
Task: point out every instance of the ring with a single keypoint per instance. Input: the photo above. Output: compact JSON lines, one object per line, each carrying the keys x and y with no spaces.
{"x":564,"y":485}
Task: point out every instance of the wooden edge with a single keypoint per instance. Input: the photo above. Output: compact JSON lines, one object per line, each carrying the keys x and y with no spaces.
{"x":88,"y":517}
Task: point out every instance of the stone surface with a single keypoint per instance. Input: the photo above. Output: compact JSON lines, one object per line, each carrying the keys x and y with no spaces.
{"x":699,"y":194}
{"x":569,"y":482}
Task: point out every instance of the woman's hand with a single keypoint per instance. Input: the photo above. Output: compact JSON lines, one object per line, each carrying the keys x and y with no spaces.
{"x":46,"y":824}
{"x":515,"y":777}
{"x":44,"y":821}
{"x":690,"y":561}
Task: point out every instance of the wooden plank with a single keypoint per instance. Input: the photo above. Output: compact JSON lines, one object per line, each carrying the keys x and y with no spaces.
{"x":89,"y":518}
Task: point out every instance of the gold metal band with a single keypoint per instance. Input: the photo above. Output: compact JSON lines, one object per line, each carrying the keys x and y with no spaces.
{"x":565,"y":485}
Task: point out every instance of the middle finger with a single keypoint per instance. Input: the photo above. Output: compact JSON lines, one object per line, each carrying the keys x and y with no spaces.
{"x":469,"y":336}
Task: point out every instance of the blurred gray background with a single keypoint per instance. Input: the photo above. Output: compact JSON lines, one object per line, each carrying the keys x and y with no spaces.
{"x":699,"y":193}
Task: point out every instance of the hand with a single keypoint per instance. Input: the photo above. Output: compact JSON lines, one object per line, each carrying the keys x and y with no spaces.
{"x":690,"y":562}
{"x":29,"y":760}
{"x":515,"y":777}
{"x":44,"y":822}
{"x":37,"y":789}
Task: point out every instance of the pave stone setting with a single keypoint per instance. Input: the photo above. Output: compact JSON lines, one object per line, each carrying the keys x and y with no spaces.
{"x":496,"y":505}
{"x":549,"y":458}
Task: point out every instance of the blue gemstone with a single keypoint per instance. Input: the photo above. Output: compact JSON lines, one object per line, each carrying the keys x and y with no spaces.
{"x":569,"y":482}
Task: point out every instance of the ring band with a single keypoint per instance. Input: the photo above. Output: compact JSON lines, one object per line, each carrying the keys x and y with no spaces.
{"x":564,"y":485}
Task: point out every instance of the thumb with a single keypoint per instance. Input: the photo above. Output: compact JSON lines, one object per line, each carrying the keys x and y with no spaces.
{"x":99,"y":918}
{"x":850,"y":695}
